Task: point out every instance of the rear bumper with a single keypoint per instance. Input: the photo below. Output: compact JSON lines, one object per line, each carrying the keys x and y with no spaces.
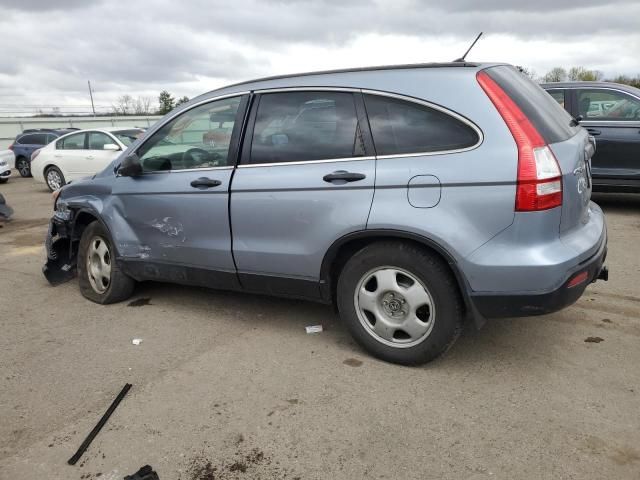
{"x":527,"y":304}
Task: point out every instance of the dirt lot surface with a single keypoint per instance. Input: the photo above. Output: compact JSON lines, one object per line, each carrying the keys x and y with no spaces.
{"x":229,"y":386}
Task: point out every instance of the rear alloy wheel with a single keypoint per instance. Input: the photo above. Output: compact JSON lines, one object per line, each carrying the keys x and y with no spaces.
{"x":23,"y":166}
{"x":54,"y":178}
{"x":99,"y":277}
{"x":400,"y":302}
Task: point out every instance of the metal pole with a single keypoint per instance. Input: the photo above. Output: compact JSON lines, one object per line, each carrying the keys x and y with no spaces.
{"x":91,"y":95}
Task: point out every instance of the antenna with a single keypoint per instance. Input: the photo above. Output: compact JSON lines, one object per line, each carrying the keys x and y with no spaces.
{"x":461,"y":59}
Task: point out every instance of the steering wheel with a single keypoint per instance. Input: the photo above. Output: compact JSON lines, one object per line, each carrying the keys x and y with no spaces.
{"x":188,"y":160}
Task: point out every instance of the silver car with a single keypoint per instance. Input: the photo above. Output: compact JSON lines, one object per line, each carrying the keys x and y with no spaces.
{"x":410,"y":197}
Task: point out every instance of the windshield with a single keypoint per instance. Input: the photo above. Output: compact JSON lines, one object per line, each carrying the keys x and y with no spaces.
{"x":127,"y":137}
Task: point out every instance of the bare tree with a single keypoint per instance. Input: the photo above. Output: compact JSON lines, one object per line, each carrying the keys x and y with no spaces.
{"x":125,"y":105}
{"x":142,"y":106}
{"x":529,"y":72}
{"x":557,"y":74}
{"x":584,"y":75}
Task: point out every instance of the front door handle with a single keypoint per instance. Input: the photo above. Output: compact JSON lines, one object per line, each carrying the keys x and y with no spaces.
{"x":203,"y":183}
{"x":593,"y":131}
{"x":343,"y":176}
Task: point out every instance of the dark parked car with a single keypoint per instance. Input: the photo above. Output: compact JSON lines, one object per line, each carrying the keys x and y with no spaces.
{"x":611,"y":113}
{"x":31,"y":140}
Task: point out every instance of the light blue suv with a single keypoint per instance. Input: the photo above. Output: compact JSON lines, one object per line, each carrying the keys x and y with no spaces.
{"x":411,"y":197}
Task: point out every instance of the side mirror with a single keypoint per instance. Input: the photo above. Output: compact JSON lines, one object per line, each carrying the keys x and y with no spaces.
{"x":111,"y":146}
{"x":130,"y":166}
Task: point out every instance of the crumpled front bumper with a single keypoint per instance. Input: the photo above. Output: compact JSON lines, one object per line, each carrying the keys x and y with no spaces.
{"x":61,"y":257}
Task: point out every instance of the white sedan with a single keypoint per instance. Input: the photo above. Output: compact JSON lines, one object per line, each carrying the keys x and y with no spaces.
{"x":80,"y":154}
{"x":7,"y":159}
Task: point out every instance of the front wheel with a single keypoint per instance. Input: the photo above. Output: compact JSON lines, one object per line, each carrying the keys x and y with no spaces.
{"x":99,"y":277}
{"x":54,"y":178}
{"x":24,"y":167}
{"x":400,"y":302}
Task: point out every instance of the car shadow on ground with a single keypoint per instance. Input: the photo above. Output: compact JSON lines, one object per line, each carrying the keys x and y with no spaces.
{"x":506,"y":340}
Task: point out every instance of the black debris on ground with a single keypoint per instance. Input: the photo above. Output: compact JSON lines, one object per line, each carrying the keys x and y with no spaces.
{"x":594,"y":339}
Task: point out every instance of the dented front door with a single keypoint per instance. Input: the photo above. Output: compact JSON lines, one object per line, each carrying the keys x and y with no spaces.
{"x":177,"y":212}
{"x":167,"y":220}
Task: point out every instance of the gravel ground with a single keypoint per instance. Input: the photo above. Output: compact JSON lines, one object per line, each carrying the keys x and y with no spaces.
{"x":229,"y":386}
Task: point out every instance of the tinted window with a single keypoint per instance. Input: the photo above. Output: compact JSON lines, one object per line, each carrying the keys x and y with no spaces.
{"x":25,"y":140}
{"x":613,"y":105}
{"x":97,"y":140}
{"x":402,"y":127}
{"x":550,"y":119}
{"x":72,"y":142}
{"x":302,"y":126}
{"x":558,"y":96}
{"x":198,"y":138}
{"x":33,"y":139}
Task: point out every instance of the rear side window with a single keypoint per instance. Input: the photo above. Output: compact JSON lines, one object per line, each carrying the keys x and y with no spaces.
{"x":546,"y":114}
{"x":33,"y":139}
{"x":303,"y":126}
{"x":404,"y":127}
{"x":72,"y":142}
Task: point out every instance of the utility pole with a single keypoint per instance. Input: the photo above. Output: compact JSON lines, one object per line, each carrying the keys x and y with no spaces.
{"x":91,"y":96}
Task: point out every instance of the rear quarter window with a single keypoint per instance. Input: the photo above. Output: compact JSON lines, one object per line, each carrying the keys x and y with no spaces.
{"x":546,"y":114}
{"x":404,"y":127}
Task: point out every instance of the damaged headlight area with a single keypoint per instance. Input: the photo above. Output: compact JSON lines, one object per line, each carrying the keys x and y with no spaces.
{"x":62,"y":212}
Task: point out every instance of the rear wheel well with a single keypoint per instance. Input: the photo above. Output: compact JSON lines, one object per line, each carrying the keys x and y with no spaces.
{"x":349,"y":248}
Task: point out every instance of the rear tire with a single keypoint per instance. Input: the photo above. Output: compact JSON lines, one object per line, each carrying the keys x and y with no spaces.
{"x":99,"y":277}
{"x":400,"y":302}
{"x":23,"y":166}
{"x":54,"y":178}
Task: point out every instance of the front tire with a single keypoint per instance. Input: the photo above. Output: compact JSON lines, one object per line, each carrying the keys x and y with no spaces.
{"x":54,"y":178}
{"x":99,"y":277}
{"x":24,"y":167}
{"x":400,"y":302}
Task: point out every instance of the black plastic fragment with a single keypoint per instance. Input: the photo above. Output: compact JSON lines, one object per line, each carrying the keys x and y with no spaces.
{"x":98,"y":427}
{"x":145,"y":473}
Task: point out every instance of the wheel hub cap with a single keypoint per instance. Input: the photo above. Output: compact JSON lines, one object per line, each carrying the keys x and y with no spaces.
{"x":394,"y":307}
{"x":99,"y":265}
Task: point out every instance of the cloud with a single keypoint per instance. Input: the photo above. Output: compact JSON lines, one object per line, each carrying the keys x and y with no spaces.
{"x":50,"y":49}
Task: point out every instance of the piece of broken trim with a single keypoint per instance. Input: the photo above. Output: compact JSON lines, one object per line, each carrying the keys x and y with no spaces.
{"x":313,"y":328}
{"x":92,"y":434}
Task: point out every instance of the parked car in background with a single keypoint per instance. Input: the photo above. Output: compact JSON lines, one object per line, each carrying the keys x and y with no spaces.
{"x":6,"y":160}
{"x":611,"y":114}
{"x":481,"y":206}
{"x":29,"y":141}
{"x":80,"y":154}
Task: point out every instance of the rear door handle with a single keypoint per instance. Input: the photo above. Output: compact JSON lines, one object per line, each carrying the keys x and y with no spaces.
{"x":593,"y":131}
{"x":344,"y":176}
{"x":203,"y":183}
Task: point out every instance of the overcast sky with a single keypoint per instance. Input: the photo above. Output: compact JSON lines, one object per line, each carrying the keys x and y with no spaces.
{"x":50,"y":48}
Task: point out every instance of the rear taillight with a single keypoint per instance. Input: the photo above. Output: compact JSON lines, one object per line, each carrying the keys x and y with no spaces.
{"x":35,"y":154}
{"x":539,"y":184}
{"x":11,"y":147}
